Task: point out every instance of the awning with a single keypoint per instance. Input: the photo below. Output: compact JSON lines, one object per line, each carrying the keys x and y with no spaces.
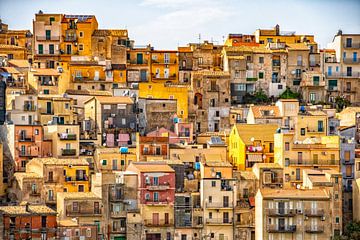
{"x":252,"y":201}
{"x":254,"y":158}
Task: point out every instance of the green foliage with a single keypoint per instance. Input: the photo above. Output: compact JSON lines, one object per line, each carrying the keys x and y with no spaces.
{"x":341,"y":103}
{"x":288,"y":94}
{"x":258,"y":97}
{"x":351,"y":232}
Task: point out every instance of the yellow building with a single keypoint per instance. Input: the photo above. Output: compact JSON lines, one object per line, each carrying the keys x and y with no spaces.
{"x":117,"y":159}
{"x":138,"y":64}
{"x":56,"y":109}
{"x":77,"y":31}
{"x":65,"y":139}
{"x":164,"y":66}
{"x":47,"y":81}
{"x":310,"y":123}
{"x":250,"y":144}
{"x":265,"y":36}
{"x":167,"y":91}
{"x":295,"y":155}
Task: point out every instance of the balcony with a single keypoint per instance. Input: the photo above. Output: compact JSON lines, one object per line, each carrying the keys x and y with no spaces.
{"x":47,"y":52}
{"x":351,"y":60}
{"x":77,"y":178}
{"x":352,"y":45}
{"x":281,"y":212}
{"x":219,"y":205}
{"x":67,"y":136}
{"x":313,"y":162}
{"x":213,"y":88}
{"x":68,"y":152}
{"x":47,"y":38}
{"x":351,"y":90}
{"x":158,"y":223}
{"x":160,"y":202}
{"x":159,"y":187}
{"x":29,"y":108}
{"x":70,"y":35}
{"x":26,"y":138}
{"x":116,"y":197}
{"x":118,"y":230}
{"x":35,"y":193}
{"x":330,"y":60}
{"x":251,"y":79}
{"x":81,"y":211}
{"x":281,"y":229}
{"x":121,"y":214}
{"x":342,"y":75}
{"x":218,"y":221}
{"x":314,"y":228}
{"x":314,"y":212}
{"x":136,"y":62}
{"x":27,"y":154}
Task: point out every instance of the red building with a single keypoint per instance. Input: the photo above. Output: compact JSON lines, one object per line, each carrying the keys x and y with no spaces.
{"x":28,"y":222}
{"x":153,"y":148}
{"x":156,"y":194}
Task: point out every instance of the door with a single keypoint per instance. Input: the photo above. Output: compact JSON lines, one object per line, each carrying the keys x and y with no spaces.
{"x":226,"y":201}
{"x":300,"y":158}
{"x":226,"y":217}
{"x":313,"y":207}
{"x":349,"y":71}
{"x":354,"y":56}
{"x":143,"y":75}
{"x":48,"y":108}
{"x":155,"y":219}
{"x":48,"y":34}
{"x":166,"y":218}
{"x":281,"y":223}
{"x":51,"y":49}
{"x":139,"y":58}
{"x":41,"y":49}
{"x":97,"y":75}
{"x":329,"y":70}
{"x":43,"y":221}
{"x":30,"y":120}
{"x":68,"y":49}
{"x":96,"y":208}
{"x":166,"y":72}
{"x":281,"y":206}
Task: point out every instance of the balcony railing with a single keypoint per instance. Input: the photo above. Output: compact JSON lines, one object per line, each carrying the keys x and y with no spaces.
{"x":312,"y":162}
{"x":281,"y":229}
{"x":314,"y":228}
{"x":35,"y":193}
{"x":121,"y":214}
{"x":159,"y":187}
{"x":27,"y":154}
{"x":156,"y":202}
{"x":351,"y":60}
{"x":136,"y":62}
{"x":281,"y":212}
{"x":330,"y":60}
{"x":47,"y":52}
{"x":158,"y":223}
{"x":219,"y":221}
{"x":29,"y":108}
{"x":219,"y":205}
{"x":47,"y":38}
{"x":82,"y":211}
{"x":26,"y":138}
{"x":352,"y":45}
{"x":314,"y":212}
{"x":118,"y":230}
{"x":67,"y":136}
{"x":343,"y":74}
{"x":77,"y":178}
{"x":68,"y":152}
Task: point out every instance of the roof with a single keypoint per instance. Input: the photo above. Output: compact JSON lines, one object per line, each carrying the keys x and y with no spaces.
{"x":112,"y":100}
{"x":217,"y":164}
{"x":267,"y":165}
{"x":350,"y":110}
{"x":45,"y":72}
{"x":264,"y":132}
{"x":212,"y":73}
{"x":212,"y":157}
{"x":295,"y":193}
{"x":19,"y":63}
{"x":6,"y":46}
{"x":78,"y":195}
{"x":150,"y":167}
{"x":88,"y":92}
{"x":297,"y":46}
{"x":67,"y":223}
{"x":247,"y":175}
{"x":313,"y":113}
{"x":11,"y":70}
{"x":187,"y":157}
{"x":110,"y":32}
{"x":259,"y":111}
{"x":245,"y":48}
{"x":22,"y":175}
{"x":33,"y":209}
{"x":161,"y":132}
{"x":61,"y":161}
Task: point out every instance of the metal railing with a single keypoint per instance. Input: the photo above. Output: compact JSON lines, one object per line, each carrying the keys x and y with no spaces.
{"x":218,"y":221}
{"x":219,"y":205}
{"x":67,"y":136}
{"x":47,"y":38}
{"x":82,"y":211}
{"x":316,"y":212}
{"x":68,"y":152}
{"x":273,"y":228}
{"x":158,"y":223}
{"x":343,"y":74}
{"x":352,"y":45}
{"x":309,"y":228}
{"x":313,"y":162}
{"x":351,"y":60}
{"x":281,"y":212}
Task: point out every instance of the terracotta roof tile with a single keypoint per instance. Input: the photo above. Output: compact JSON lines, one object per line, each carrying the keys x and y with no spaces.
{"x":264,"y":132}
{"x":259,"y":111}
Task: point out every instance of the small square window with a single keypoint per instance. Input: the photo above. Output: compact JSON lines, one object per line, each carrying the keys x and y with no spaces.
{"x":81,"y":47}
{"x":81,"y":34}
{"x":213,"y":183}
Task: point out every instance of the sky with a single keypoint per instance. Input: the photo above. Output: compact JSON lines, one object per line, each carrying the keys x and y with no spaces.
{"x":167,"y":24}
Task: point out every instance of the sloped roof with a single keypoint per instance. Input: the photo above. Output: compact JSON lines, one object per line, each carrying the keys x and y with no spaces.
{"x":258,"y":111}
{"x":295,"y":193}
{"x":150,"y":167}
{"x":61,"y":161}
{"x":264,"y":132}
{"x":21,"y":210}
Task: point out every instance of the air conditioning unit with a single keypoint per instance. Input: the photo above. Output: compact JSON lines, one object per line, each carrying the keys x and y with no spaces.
{"x":299,"y":211}
{"x":323,"y":218}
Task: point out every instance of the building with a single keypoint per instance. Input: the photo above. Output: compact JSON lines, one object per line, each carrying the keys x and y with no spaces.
{"x":114,"y":159}
{"x":156,"y":197}
{"x":264,"y":115}
{"x":211,"y":101}
{"x":279,"y":212}
{"x":341,"y":67}
{"x":46,"y":80}
{"x":185,"y":64}
{"x":152,"y":148}
{"x":112,"y":118}
{"x":60,"y":175}
{"x":28,"y":222}
{"x":138,"y":65}
{"x":164,"y":66}
{"x":217,"y":199}
{"x":85,"y":207}
{"x":250,"y":144}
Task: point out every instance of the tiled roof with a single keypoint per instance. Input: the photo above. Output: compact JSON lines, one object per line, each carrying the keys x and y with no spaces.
{"x":264,"y":132}
{"x":243,"y":48}
{"x":88,"y":92}
{"x":267,"y":165}
{"x":21,"y":210}
{"x":115,"y":100}
{"x":19,"y":63}
{"x":11,"y":70}
{"x":6,"y":46}
{"x":110,"y":32}
{"x":247,"y":175}
{"x":258,"y":111}
{"x":297,"y":46}
{"x":150,"y":167}
{"x":295,"y":193}
{"x":212,"y":73}
{"x":217,"y":164}
{"x":22,"y":175}
{"x":78,"y":195}
{"x":45,"y":72}
{"x":61,"y":161}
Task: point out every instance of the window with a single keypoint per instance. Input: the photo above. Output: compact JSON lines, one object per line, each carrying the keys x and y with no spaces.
{"x":261,"y":75}
{"x":75,"y":206}
{"x":213,"y":183}
{"x":156,"y":181}
{"x":51,"y":195}
{"x":67,"y":105}
{"x":210,"y":215}
{"x":81,"y":34}
{"x":200,"y":60}
{"x":183,"y":237}
{"x":123,"y":121}
{"x":104,"y":162}
{"x":210,"y":199}
{"x":81,"y":47}
{"x":287,"y":146}
{"x":261,"y":59}
{"x":240,"y":87}
{"x":147,"y":196}
{"x":302,"y":131}
{"x":312,"y":97}
{"x":320,"y":126}
{"x":36,"y":131}
{"x":50,"y":176}
{"x":237,"y":74}
{"x":298,"y":174}
{"x":156,"y":196}
{"x":316,"y":80}
{"x":337,"y":220}
{"x":81,"y":188}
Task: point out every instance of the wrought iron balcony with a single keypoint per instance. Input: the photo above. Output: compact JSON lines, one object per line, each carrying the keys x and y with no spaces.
{"x":68,"y":152}
{"x":281,"y":229}
{"x":281,"y":212}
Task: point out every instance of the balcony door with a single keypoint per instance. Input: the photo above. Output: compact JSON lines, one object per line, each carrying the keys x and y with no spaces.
{"x":155,"y":219}
{"x":281,"y":207}
{"x":281,"y":223}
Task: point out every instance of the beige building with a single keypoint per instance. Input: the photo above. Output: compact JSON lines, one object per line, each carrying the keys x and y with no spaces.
{"x":264,"y":115}
{"x":295,"y":214}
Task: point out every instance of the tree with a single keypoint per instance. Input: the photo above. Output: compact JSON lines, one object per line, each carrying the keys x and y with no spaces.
{"x":288,"y":94}
{"x":351,"y":232}
{"x":259,"y":97}
{"x":341,"y":103}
